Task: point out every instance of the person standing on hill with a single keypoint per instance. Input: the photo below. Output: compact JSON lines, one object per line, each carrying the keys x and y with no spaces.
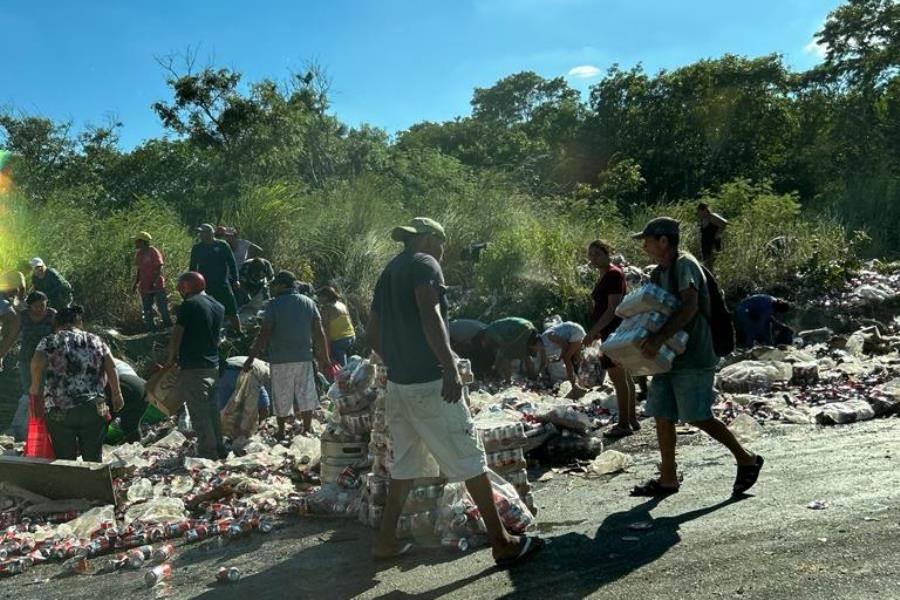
{"x":256,"y":273}
{"x":606,"y":296}
{"x":149,"y":282}
{"x":51,"y":283}
{"x":292,"y":333}
{"x":31,"y":325}
{"x":686,"y":392}
{"x":194,"y":347}
{"x":338,"y":325}
{"x":214,"y":260}
{"x":243,"y":250}
{"x":9,"y":319}
{"x":429,"y":421}
{"x":712,"y":226}
{"x":35,"y":323}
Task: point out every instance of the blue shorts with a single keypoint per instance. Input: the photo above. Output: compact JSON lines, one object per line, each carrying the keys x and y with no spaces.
{"x":684,"y":395}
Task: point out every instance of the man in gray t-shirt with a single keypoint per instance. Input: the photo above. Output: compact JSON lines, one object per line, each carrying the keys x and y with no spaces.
{"x":291,"y":333}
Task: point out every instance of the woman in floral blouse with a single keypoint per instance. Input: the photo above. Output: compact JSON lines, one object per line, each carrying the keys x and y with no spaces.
{"x":78,"y":366}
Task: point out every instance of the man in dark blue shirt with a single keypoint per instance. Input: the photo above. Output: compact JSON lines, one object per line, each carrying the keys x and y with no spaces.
{"x":214,"y":260}
{"x":430,"y":426}
{"x":756,"y":324}
{"x":195,"y":348}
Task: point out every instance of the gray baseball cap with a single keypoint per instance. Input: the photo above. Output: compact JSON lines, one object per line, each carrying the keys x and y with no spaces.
{"x":659,"y":226}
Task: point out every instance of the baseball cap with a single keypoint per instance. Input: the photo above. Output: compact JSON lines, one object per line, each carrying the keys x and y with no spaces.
{"x":35,"y":262}
{"x":205,"y":228}
{"x":285,"y":278}
{"x":658,"y":227}
{"x":143,"y":235}
{"x":418,"y":226}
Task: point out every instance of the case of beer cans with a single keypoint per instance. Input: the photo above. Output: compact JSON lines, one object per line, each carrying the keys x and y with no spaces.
{"x":645,"y":299}
{"x":497,"y":437}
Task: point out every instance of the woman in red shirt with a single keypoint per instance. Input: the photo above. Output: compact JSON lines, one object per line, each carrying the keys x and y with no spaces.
{"x":607,"y":295}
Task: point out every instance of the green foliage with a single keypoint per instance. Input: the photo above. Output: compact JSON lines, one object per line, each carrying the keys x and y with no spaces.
{"x":95,"y":253}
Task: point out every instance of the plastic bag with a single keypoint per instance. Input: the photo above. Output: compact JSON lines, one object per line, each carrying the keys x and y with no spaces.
{"x":751,"y":376}
{"x":159,"y":388}
{"x":84,"y":526}
{"x":514,"y":513}
{"x":567,"y":417}
{"x":37,"y":439}
{"x":140,"y":490}
{"x":240,"y":416}
{"x":157,"y":510}
{"x":745,"y":428}
{"x":611,"y":461}
{"x":839,"y":413}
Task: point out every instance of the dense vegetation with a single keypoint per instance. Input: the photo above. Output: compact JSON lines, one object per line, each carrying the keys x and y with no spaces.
{"x":535,"y":170}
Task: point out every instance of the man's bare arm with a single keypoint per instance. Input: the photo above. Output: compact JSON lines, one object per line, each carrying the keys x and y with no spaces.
{"x":320,"y":343}
{"x":38,"y":362}
{"x":259,"y":344}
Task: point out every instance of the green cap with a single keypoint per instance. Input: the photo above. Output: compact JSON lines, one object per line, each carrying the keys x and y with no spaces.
{"x":418,"y":226}
{"x":658,"y":227}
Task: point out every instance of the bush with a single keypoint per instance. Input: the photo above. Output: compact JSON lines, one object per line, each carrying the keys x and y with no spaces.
{"x":96,"y":254}
{"x":534,"y":264}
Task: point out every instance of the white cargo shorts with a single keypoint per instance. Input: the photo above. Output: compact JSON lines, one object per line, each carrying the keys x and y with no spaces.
{"x":293,"y":384}
{"x":431,"y":436}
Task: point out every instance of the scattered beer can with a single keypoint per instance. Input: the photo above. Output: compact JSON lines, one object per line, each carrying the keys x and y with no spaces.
{"x":228,"y":574}
{"x":158,"y":574}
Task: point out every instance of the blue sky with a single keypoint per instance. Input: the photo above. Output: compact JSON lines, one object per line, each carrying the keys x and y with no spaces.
{"x":392,"y":62}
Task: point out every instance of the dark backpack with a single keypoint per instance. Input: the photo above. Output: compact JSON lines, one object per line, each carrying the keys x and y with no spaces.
{"x":720,"y":319}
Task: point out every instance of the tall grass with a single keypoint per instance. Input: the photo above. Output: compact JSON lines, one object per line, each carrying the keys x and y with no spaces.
{"x":96,"y":254}
{"x":533,"y":265}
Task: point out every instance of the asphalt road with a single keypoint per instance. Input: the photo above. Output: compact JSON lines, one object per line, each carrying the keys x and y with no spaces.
{"x":701,"y":544}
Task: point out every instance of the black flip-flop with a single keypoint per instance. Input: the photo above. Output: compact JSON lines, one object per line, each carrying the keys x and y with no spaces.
{"x":617,"y":432}
{"x":653,"y":489}
{"x":747,"y":476}
{"x":530,"y":547}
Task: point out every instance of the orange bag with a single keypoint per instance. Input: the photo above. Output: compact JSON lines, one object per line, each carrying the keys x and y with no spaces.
{"x":37,"y":441}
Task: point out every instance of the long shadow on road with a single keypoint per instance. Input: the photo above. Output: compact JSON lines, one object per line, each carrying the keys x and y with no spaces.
{"x":577,"y":565}
{"x":337,"y":567}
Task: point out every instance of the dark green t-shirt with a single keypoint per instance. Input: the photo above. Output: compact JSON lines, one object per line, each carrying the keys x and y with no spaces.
{"x":699,"y":353}
{"x":405,"y":349}
{"x":201,"y":316}
{"x":511,"y":336}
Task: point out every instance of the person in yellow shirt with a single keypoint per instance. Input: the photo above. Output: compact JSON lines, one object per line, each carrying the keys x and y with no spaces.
{"x":338,"y":326}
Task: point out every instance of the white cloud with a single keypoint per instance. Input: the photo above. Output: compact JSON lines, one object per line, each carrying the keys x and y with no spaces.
{"x":816,"y":49}
{"x":584,"y":71}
